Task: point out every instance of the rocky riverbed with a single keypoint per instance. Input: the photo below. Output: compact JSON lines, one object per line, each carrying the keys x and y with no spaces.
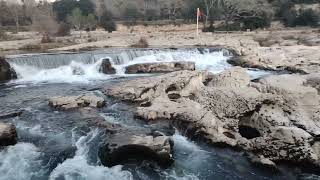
{"x":202,"y":120}
{"x":275,"y":118}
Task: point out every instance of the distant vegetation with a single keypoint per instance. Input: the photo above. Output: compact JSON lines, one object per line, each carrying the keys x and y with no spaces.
{"x":59,"y":17}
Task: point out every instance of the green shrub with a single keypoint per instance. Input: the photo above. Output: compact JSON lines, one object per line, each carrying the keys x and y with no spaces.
{"x":307,"y":17}
{"x":107,"y":22}
{"x":253,"y":22}
{"x":236,"y":26}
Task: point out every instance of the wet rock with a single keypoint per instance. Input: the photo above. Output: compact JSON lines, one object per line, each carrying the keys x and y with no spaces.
{"x":162,"y":67}
{"x":73,"y":102}
{"x":276,"y":117}
{"x":6,"y":72}
{"x":9,"y":113}
{"x":8,"y":134}
{"x":106,"y":67}
{"x":125,"y":147}
{"x":263,"y":162}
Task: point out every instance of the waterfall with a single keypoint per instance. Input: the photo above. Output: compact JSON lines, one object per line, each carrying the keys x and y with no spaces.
{"x":84,"y":67}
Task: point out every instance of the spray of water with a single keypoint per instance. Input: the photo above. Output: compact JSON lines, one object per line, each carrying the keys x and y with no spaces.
{"x":21,"y":161}
{"x":79,"y":168}
{"x":84,"y":72}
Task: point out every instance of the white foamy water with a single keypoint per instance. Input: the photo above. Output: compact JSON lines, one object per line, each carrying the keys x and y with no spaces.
{"x":72,"y":73}
{"x":85,"y":69}
{"x":84,"y":72}
{"x":79,"y":168}
{"x":212,"y":61}
{"x":21,"y":161}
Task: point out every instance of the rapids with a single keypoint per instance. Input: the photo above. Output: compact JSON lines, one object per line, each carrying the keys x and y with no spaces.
{"x":64,"y":145}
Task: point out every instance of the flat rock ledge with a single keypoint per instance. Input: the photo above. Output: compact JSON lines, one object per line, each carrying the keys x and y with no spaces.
{"x":123,"y":148}
{"x":160,"y":67}
{"x":74,"y":102}
{"x":277,"y":118}
{"x":8,"y":134}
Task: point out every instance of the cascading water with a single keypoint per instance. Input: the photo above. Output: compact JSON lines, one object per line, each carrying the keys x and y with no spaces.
{"x":84,"y":67}
{"x":64,"y":145}
{"x":79,"y":168}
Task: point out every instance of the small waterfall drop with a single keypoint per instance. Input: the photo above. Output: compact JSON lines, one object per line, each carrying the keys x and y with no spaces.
{"x":79,"y":168}
{"x":84,"y":67}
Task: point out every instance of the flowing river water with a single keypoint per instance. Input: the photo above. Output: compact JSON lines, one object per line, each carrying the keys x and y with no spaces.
{"x":64,"y":145}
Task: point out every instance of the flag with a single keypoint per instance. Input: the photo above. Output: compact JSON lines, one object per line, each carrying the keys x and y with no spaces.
{"x":200,"y":14}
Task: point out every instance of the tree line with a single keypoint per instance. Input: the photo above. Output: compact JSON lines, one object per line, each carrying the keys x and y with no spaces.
{"x":58,"y":17}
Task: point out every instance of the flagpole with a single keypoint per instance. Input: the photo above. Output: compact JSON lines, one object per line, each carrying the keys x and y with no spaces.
{"x":198,"y":14}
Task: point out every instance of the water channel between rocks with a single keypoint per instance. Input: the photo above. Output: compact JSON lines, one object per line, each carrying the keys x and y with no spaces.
{"x":64,"y":145}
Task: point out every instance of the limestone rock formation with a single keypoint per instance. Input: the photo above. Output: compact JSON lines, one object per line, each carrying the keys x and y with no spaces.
{"x":125,"y":147}
{"x":276,"y":118}
{"x":6,"y":72}
{"x":161,"y":67}
{"x":8,"y":134}
{"x":73,"y":102}
{"x":106,"y":67}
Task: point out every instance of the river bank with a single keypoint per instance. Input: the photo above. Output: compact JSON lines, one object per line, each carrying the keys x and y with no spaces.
{"x":274,"y":49}
{"x":70,"y":109}
{"x":65,"y":120}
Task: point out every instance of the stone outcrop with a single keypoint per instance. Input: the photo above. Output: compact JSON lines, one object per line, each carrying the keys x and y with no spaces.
{"x":161,"y":67}
{"x":276,"y":118}
{"x":8,"y":134}
{"x":74,"y":102}
{"x":127,"y":147}
{"x":106,"y":67}
{"x":6,"y":72}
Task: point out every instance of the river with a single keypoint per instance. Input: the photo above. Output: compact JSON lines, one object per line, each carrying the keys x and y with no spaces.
{"x":64,"y":145}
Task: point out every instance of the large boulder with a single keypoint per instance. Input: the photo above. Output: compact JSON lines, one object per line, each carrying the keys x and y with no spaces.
{"x":161,"y":67}
{"x":74,"y":102}
{"x":106,"y":67}
{"x":276,"y":118}
{"x":6,"y":72}
{"x":125,"y":147}
{"x":8,"y":134}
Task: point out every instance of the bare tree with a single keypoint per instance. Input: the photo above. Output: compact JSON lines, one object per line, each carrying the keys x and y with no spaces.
{"x":15,"y":9}
{"x":90,"y":22}
{"x":76,"y":19}
{"x":29,"y":7}
{"x":43,"y":21}
{"x":100,"y":8}
{"x":4,"y":12}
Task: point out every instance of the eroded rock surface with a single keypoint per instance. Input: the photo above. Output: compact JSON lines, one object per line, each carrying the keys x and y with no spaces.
{"x":74,"y":102}
{"x":277,"y":118}
{"x":6,"y":72}
{"x":161,"y":67}
{"x":8,"y":134}
{"x":124,"y":147}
